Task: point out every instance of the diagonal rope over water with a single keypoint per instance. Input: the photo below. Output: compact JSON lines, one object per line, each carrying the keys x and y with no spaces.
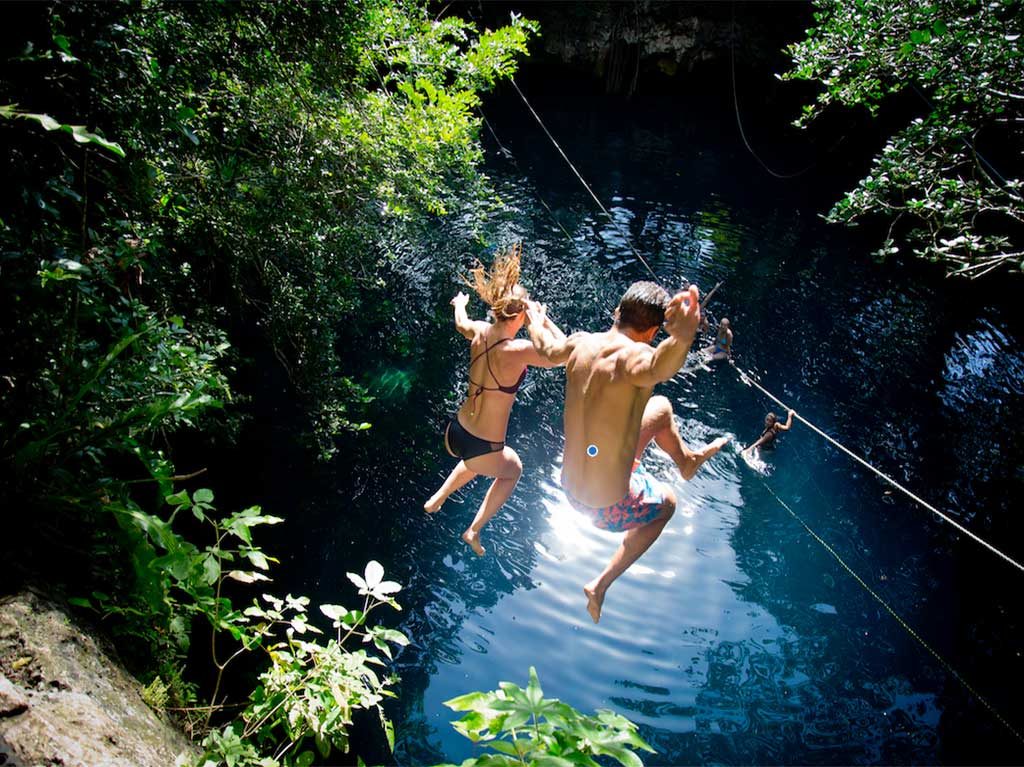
{"x":586,"y":186}
{"x":748,"y":379}
{"x":506,"y":152}
{"x":899,"y":619}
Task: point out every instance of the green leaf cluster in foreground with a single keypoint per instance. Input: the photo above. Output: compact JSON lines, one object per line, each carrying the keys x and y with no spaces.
{"x":522,"y":727}
{"x":950,"y":180}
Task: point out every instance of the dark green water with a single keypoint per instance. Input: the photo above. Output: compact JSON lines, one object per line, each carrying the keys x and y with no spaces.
{"x":736,"y":639}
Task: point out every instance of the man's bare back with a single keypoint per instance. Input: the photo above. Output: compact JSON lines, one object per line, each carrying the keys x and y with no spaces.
{"x":603,"y":410}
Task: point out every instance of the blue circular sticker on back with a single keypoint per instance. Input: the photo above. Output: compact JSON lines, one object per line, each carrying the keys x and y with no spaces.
{"x":592,"y":450}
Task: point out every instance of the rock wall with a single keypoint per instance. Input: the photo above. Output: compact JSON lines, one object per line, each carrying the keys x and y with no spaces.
{"x":65,"y":701}
{"x":618,"y":40}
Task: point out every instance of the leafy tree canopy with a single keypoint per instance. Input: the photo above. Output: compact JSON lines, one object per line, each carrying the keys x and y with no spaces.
{"x":952,"y":176}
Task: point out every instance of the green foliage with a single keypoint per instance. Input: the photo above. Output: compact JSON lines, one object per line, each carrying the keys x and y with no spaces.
{"x":311,"y":687}
{"x":282,"y":160}
{"x":525,"y":728}
{"x":155,"y":694}
{"x":243,"y":166}
{"x":78,"y":132}
{"x":963,"y":58}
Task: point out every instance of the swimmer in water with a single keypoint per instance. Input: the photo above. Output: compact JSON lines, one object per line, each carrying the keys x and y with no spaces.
{"x":721,"y":349}
{"x":610,"y":417}
{"x":772,"y":427}
{"x":476,"y":434}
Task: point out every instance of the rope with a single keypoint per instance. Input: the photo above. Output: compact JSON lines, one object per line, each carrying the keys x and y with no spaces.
{"x":739,"y":122}
{"x":586,"y":186}
{"x":749,"y":380}
{"x":906,"y":626}
{"x":508,"y":153}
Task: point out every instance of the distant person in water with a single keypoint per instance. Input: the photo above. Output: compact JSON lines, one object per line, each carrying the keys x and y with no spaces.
{"x":610,"y":417}
{"x":497,"y":368}
{"x":772,"y":427}
{"x":721,"y":349}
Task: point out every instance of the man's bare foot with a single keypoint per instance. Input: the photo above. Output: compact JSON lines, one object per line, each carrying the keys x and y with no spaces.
{"x":594,"y":602}
{"x":433,"y":503}
{"x":473,"y":540}
{"x":696,"y":460}
{"x":715,"y":446}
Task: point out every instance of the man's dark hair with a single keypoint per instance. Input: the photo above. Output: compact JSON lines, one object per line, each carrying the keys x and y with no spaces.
{"x":643,"y":306}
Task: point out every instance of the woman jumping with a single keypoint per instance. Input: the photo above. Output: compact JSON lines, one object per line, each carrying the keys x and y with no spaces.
{"x":497,"y":368}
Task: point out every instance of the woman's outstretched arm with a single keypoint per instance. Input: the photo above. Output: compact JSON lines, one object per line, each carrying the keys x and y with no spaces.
{"x":467,"y":327}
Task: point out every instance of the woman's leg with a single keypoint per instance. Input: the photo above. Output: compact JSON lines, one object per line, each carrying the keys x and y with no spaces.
{"x":506,"y":468}
{"x":460,"y":475}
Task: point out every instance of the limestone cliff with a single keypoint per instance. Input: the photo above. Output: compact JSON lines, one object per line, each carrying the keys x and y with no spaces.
{"x":65,"y":701}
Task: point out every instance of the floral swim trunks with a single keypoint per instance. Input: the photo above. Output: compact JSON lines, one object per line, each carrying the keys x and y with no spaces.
{"x":641,"y":505}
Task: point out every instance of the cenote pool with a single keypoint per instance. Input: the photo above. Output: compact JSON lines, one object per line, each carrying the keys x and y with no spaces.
{"x":736,"y":639}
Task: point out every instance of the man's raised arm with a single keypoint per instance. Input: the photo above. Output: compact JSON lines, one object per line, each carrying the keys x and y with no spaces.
{"x":682,"y":318}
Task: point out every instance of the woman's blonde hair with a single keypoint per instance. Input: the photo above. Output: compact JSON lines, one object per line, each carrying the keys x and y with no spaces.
{"x":499,"y":287}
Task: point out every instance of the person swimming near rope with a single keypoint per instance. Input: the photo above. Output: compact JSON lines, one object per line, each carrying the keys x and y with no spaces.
{"x":476,"y":433}
{"x":721,"y":349}
{"x":610,"y":417}
{"x":772,"y":427}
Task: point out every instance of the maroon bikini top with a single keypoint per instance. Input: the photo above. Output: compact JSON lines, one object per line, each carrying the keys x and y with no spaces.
{"x":480,"y":388}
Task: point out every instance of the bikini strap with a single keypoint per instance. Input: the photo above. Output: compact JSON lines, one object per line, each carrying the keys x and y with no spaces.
{"x":486,"y":354}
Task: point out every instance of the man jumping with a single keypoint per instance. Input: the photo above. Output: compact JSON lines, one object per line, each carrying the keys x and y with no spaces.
{"x":610,"y":417}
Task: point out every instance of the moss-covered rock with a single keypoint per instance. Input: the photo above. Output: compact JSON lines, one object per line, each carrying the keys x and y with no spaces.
{"x":65,"y":700}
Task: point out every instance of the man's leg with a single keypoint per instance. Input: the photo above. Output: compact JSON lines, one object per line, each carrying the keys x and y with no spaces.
{"x":634,"y":543}
{"x":659,"y":424}
{"x":460,"y":475}
{"x":506,"y":468}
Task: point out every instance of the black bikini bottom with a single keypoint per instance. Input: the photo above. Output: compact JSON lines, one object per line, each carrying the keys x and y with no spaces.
{"x":466,"y":446}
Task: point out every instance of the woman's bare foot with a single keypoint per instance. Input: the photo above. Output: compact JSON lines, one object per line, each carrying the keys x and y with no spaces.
{"x":473,"y":540}
{"x":434,"y":503}
{"x":594,"y":601}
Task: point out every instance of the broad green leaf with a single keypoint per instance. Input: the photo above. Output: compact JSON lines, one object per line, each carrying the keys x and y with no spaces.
{"x":534,"y":694}
{"x":547,"y":760}
{"x":258,"y":559}
{"x":504,"y":747}
{"x":202,"y":495}
{"x":374,"y":574}
{"x":468,"y":702}
{"x":334,"y":612}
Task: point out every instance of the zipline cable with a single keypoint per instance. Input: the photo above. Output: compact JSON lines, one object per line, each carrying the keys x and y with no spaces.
{"x":906,"y":626}
{"x":586,"y":186}
{"x":508,"y":153}
{"x":748,"y":379}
